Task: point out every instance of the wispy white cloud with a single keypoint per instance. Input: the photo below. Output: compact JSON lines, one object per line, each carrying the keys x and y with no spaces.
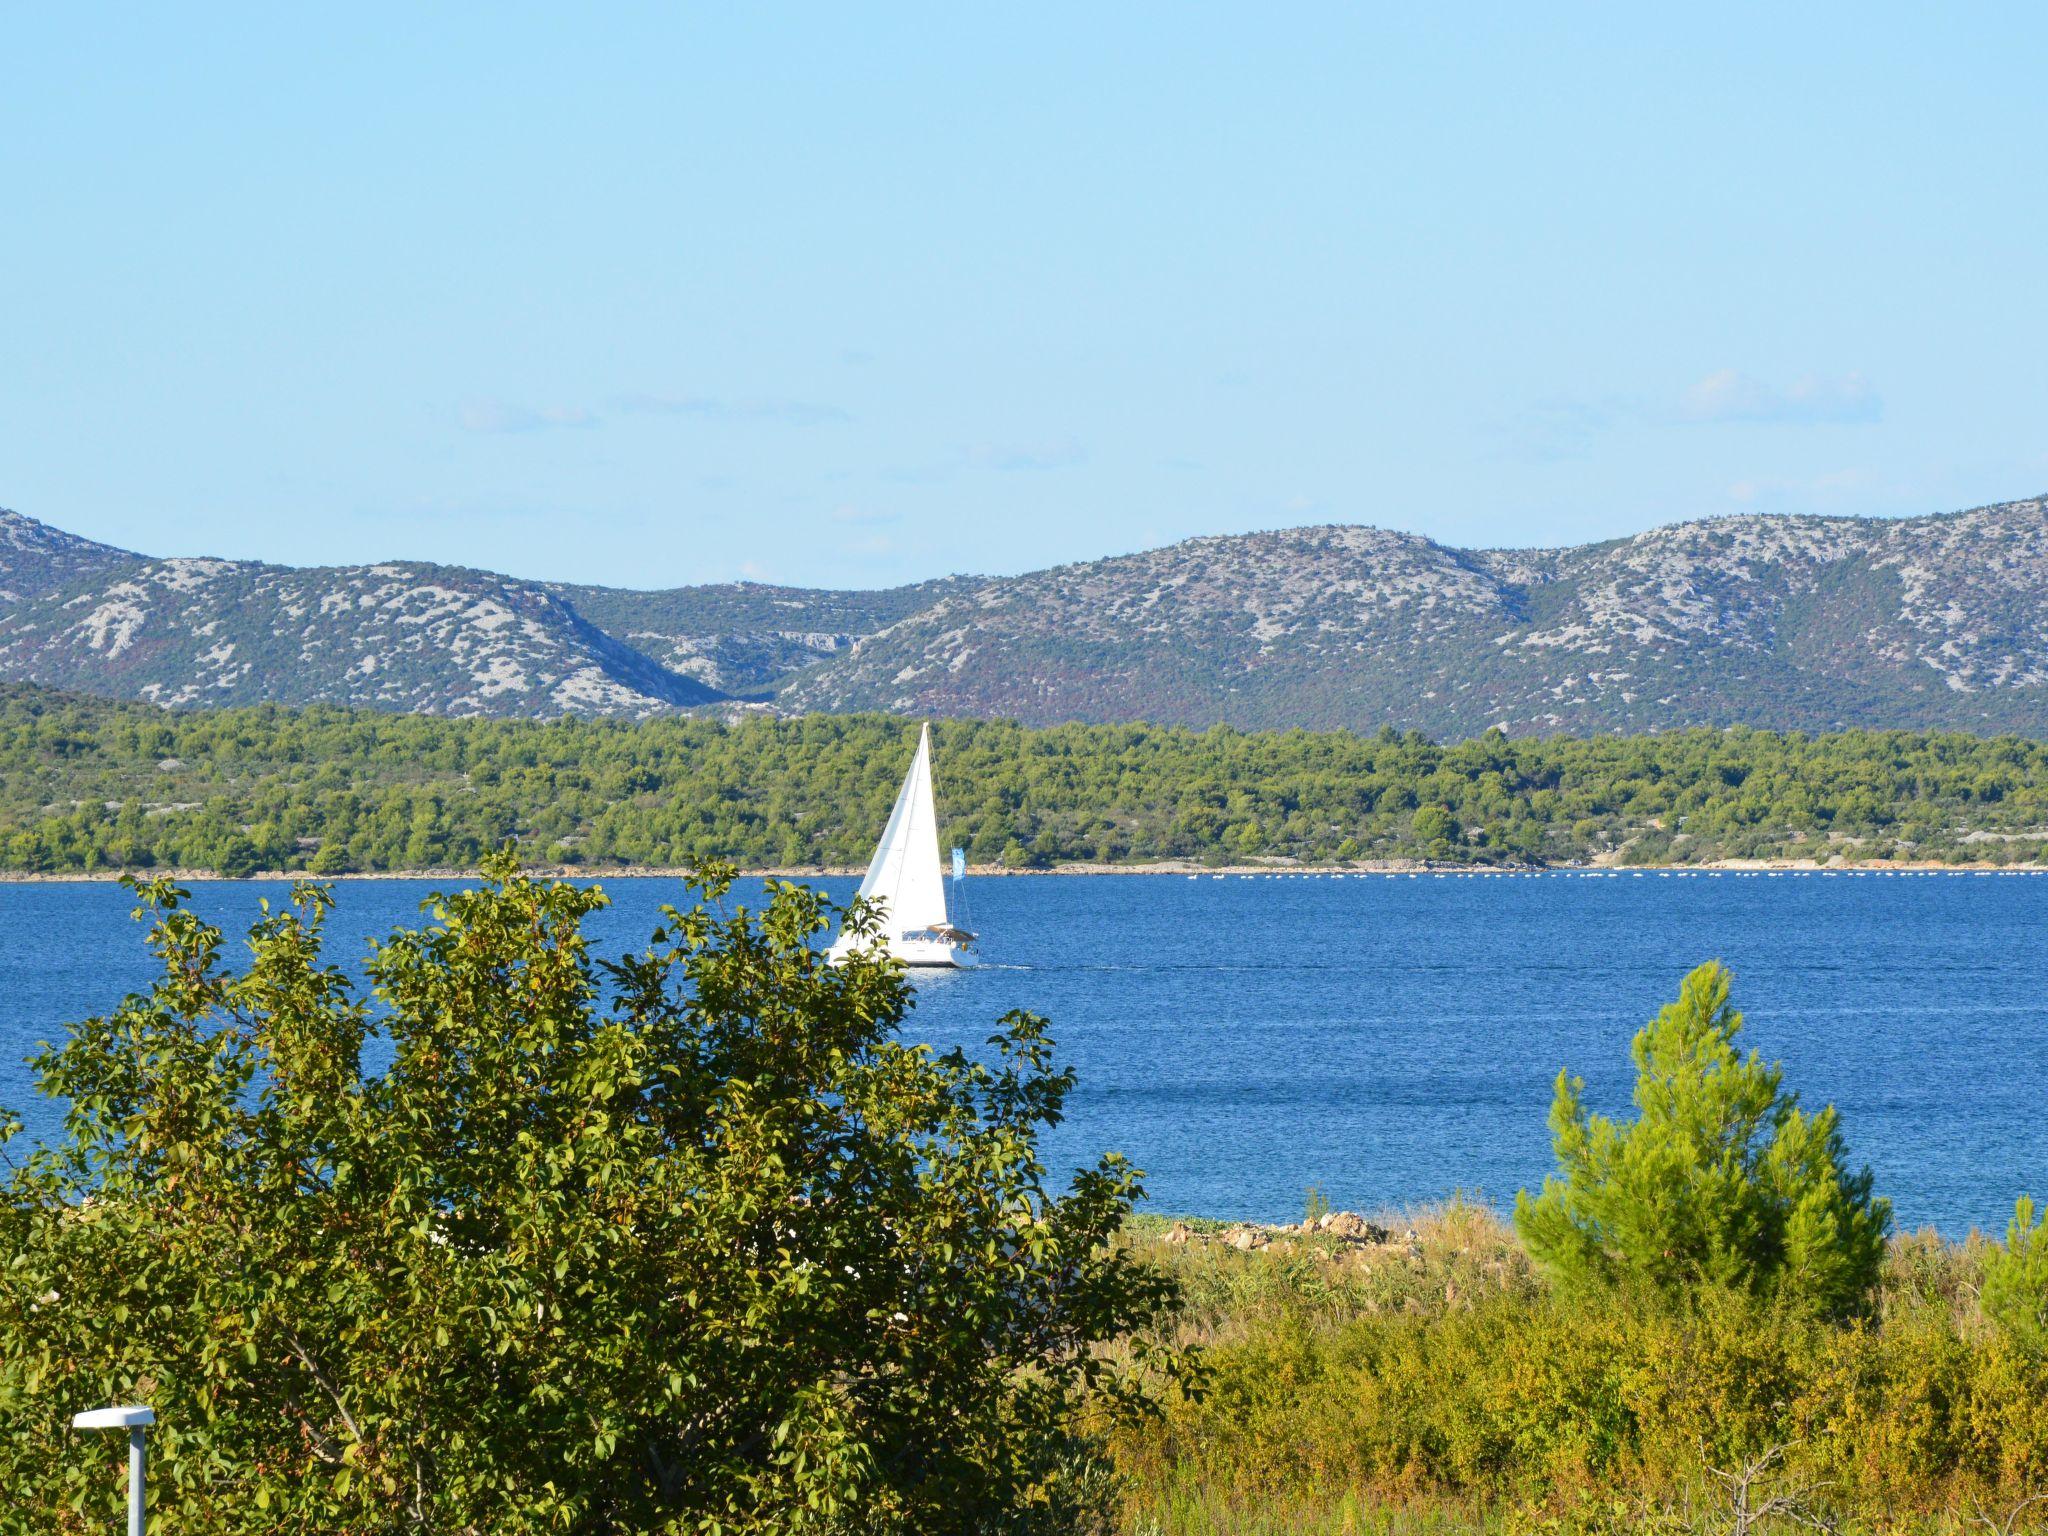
{"x":1805,"y":493}
{"x":864,"y":517}
{"x":1730,"y":395}
{"x":1023,"y":458}
{"x":510,"y":416}
{"x":505,"y":416}
{"x":788,"y":413}
{"x":1015,"y":458}
{"x":1560,"y":427}
{"x":919,"y":474}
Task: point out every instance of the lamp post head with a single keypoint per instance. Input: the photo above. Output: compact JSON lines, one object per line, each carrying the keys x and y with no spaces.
{"x":113,"y":1418}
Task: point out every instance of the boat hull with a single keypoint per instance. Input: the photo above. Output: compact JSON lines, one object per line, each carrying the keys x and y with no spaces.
{"x":917,"y":954}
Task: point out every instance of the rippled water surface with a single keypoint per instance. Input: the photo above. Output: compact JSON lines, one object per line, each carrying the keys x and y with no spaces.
{"x":1389,"y":1039}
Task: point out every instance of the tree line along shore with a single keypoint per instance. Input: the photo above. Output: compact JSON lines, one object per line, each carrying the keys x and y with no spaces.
{"x":94,"y":786}
{"x":1389,"y":869}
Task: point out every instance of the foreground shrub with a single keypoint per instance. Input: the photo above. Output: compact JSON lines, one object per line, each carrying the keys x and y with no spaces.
{"x":1721,"y":1179}
{"x":705,"y":1248}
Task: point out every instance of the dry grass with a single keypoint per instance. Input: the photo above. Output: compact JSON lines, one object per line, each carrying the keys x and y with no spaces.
{"x":1433,"y":1383}
{"x":1435,"y":1256}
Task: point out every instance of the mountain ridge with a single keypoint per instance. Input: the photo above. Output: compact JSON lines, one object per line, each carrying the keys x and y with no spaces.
{"x":1771,"y":620}
{"x":1803,"y":622}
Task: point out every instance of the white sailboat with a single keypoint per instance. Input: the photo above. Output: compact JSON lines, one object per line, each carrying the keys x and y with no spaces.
{"x":905,"y":881}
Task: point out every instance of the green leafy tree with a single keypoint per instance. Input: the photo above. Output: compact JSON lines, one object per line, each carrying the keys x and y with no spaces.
{"x":690,"y":1241}
{"x":1436,"y":831}
{"x":1721,"y":1178}
{"x":237,"y":857}
{"x":2015,"y":1293}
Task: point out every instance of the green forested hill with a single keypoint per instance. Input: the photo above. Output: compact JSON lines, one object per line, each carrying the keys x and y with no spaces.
{"x":93,"y":785}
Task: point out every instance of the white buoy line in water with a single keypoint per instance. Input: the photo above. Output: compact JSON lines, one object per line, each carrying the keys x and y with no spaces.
{"x":1617,"y":874}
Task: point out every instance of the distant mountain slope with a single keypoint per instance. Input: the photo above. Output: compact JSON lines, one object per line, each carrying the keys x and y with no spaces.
{"x":1791,"y":622}
{"x":36,"y":559}
{"x":1249,"y":629}
{"x":744,"y":638}
{"x":423,"y":638}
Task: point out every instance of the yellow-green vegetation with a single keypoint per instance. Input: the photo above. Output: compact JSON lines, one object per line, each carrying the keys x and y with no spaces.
{"x":1440,"y":1383}
{"x":92,"y":785}
{"x":1696,"y":1326}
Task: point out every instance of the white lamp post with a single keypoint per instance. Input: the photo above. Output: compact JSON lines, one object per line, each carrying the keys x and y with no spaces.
{"x":132,"y":1420}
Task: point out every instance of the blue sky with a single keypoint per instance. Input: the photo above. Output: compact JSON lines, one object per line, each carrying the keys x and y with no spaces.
{"x":860,"y":294}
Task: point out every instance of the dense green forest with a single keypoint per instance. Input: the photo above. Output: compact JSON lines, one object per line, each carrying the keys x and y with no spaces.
{"x":87,"y":784}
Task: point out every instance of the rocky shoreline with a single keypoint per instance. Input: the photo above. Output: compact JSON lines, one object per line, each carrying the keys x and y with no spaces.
{"x":1347,"y":1229}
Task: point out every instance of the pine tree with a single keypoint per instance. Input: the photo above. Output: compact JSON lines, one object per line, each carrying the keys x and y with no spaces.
{"x":1721,"y":1179}
{"x":2016,"y":1280}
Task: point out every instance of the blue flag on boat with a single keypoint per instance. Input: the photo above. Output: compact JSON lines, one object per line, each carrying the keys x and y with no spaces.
{"x":959,"y":863}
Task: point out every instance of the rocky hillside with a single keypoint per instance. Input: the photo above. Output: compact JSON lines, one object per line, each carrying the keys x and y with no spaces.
{"x":403,"y":636}
{"x":742,"y":638}
{"x":36,"y":559}
{"x":1791,"y":622}
{"x":1794,"y":622}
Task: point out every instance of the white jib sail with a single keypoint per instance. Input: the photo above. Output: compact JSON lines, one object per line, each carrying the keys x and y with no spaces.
{"x":905,"y":877}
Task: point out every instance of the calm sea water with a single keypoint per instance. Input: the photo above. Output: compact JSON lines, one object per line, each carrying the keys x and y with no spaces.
{"x":1387,"y":1039}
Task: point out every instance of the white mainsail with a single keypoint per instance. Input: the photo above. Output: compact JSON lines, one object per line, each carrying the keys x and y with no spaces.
{"x":905,"y":878}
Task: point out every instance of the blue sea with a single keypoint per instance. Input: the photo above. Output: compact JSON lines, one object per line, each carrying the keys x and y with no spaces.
{"x":1387,"y":1039}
